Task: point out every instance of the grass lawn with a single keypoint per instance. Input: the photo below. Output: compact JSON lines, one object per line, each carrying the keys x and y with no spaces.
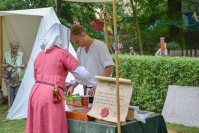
{"x":18,"y":126}
{"x":182,"y":129}
{"x":10,"y":126}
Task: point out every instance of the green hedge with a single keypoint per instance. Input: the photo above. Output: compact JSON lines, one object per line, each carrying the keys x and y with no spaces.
{"x":152,"y":75}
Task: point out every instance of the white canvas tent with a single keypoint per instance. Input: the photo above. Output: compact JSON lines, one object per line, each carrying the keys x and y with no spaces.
{"x":28,"y":27}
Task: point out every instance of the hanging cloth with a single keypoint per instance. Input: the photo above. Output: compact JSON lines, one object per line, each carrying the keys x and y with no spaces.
{"x":58,"y":35}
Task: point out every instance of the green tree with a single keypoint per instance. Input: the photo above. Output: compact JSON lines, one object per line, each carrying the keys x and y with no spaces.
{"x":176,"y":30}
{"x":135,"y":14}
{"x":145,"y":15}
{"x":24,"y":4}
{"x":83,"y":12}
{"x":13,"y":4}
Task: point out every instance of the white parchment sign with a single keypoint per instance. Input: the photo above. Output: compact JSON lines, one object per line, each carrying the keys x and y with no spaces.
{"x":105,"y":99}
{"x":182,"y":105}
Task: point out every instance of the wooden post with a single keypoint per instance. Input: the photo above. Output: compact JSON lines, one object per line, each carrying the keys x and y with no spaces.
{"x":1,"y":46}
{"x":162,"y":43}
{"x":116,"y":68}
{"x":1,"y":55}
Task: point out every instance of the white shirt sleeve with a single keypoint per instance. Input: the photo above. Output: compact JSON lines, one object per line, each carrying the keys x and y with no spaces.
{"x":83,"y":77}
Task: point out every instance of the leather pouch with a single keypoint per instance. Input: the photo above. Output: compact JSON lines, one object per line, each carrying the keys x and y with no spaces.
{"x":56,"y":95}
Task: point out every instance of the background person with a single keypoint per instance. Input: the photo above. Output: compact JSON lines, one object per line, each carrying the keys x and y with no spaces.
{"x":76,"y":22}
{"x":46,"y":108}
{"x":93,"y":54}
{"x":159,"y":53}
{"x":111,"y":50}
{"x":132,"y":52}
{"x":120,"y":47}
{"x":14,"y":62}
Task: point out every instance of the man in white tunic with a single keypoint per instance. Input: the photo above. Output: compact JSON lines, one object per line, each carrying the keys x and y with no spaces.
{"x":93,"y":54}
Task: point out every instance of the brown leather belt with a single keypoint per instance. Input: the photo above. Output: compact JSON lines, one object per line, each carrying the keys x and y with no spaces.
{"x":42,"y":82}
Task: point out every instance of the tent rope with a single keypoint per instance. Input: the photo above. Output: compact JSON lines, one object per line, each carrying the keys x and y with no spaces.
{"x":105,"y":12}
{"x":16,"y":38}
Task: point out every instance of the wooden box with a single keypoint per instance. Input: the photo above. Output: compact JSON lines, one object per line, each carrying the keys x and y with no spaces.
{"x":130,"y":115}
{"x":79,"y":113}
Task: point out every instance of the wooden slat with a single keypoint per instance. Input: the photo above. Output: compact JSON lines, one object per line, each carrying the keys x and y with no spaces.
{"x":189,"y":52}
{"x":193,"y":53}
{"x":184,"y":52}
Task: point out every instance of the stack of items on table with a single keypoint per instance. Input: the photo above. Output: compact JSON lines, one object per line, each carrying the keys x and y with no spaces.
{"x":78,"y":106}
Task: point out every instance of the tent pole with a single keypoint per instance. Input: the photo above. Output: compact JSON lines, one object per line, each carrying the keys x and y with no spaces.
{"x":1,"y":56}
{"x":116,"y":67}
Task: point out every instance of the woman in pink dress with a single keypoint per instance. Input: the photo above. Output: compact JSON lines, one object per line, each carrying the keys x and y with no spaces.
{"x":46,"y":114}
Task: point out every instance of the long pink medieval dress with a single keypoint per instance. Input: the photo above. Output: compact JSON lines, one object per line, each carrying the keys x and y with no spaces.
{"x":44,"y":116}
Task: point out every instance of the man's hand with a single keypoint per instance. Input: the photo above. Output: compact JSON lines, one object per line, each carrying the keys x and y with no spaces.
{"x":92,"y":91}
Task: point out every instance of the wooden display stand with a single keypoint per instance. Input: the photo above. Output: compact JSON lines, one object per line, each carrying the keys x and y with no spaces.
{"x":79,"y":113}
{"x":130,"y":115}
{"x":79,"y":116}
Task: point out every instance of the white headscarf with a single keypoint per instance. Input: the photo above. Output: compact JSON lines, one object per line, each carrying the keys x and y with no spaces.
{"x":58,"y":35}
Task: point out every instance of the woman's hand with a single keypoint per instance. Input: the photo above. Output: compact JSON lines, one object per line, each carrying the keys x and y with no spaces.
{"x":70,"y":90}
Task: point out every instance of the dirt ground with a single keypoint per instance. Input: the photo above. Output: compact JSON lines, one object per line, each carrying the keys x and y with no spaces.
{"x":172,"y":131}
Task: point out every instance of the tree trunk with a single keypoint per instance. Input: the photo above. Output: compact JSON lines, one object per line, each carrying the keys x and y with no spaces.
{"x":137,"y":26}
{"x":58,"y":9}
{"x":174,"y":13}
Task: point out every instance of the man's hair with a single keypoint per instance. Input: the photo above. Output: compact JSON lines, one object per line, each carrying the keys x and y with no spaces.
{"x":76,"y":29}
{"x":14,"y":44}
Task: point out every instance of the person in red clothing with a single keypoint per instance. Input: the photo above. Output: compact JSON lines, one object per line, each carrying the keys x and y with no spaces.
{"x":46,"y":108}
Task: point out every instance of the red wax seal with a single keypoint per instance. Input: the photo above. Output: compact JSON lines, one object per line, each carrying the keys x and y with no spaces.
{"x":104,"y":112}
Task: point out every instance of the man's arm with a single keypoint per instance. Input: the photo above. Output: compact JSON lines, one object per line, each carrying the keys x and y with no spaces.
{"x":83,"y":77}
{"x":108,"y":71}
